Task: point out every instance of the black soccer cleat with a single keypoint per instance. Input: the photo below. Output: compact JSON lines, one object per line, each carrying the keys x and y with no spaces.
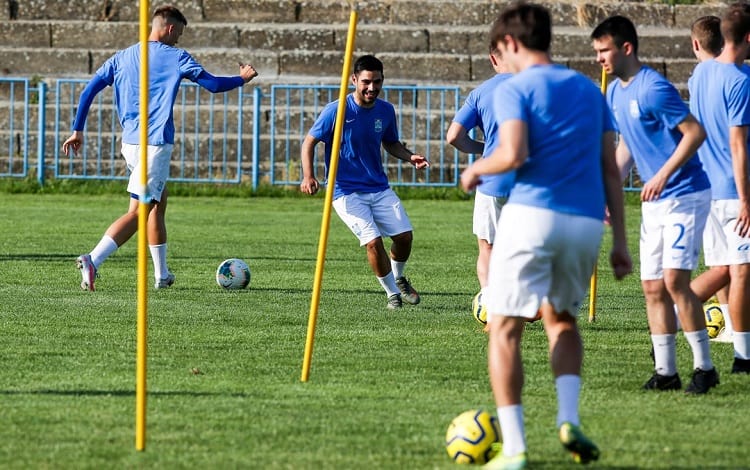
{"x":702,"y":381}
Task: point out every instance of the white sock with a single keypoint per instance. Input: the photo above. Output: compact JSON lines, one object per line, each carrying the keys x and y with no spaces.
{"x":727,"y":319}
{"x":741,"y":340}
{"x":511,"y":427}
{"x":159,"y":256}
{"x":389,"y":284}
{"x":698,"y":341}
{"x":665,"y":361}
{"x":568,"y":390}
{"x":397,"y":268}
{"x":102,"y":250}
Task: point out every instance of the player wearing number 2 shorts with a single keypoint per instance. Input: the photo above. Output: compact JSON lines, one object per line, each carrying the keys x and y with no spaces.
{"x":658,"y":132}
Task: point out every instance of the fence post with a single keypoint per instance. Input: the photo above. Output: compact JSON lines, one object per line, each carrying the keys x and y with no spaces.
{"x":257,"y":96}
{"x":41,"y":141}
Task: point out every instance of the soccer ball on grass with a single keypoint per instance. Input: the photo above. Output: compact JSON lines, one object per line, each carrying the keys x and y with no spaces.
{"x":478,"y":310}
{"x":470,"y":437}
{"x":714,"y":319}
{"x":233,"y":274}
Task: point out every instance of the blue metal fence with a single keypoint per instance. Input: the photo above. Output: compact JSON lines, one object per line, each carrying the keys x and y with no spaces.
{"x":230,"y":137}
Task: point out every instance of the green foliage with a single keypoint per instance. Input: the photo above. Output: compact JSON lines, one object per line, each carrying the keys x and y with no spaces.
{"x":224,"y":367}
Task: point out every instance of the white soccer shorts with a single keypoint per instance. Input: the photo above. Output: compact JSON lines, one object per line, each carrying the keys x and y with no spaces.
{"x":545,"y":257}
{"x":159,"y":157}
{"x":372,"y":215}
{"x":486,"y":215}
{"x":672,"y":233}
{"x":721,"y":244}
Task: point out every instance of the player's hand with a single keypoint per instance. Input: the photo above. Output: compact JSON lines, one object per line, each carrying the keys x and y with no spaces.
{"x":469,"y":180}
{"x":622,"y":264}
{"x":73,"y":142}
{"x":247,"y":72}
{"x":742,"y":226}
{"x":419,"y":161}
{"x":309,"y":185}
{"x":653,"y":188}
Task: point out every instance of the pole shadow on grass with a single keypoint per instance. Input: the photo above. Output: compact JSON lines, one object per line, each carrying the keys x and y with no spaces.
{"x":122,"y":393}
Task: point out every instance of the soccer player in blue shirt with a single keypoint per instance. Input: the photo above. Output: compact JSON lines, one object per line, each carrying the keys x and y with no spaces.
{"x":557,"y":134}
{"x":492,"y":191}
{"x":720,"y":99}
{"x":658,"y":132}
{"x":168,"y":65}
{"x":362,"y":196}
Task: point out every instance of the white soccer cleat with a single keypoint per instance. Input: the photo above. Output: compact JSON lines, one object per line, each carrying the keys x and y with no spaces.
{"x":88,"y":272}
{"x":166,"y":282}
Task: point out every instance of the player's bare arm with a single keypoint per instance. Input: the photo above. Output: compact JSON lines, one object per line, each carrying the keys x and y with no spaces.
{"x":738,"y":147}
{"x":458,"y":137}
{"x":308,"y":185}
{"x":400,"y":151}
{"x":619,"y":256}
{"x":693,"y":136}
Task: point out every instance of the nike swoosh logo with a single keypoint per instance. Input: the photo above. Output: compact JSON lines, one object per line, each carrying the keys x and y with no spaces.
{"x":349,"y":120}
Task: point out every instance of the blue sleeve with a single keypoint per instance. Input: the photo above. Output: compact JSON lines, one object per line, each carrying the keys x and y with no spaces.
{"x":96,"y":85}
{"x":218,"y":84}
{"x":322,"y":129}
{"x":468,"y":115}
{"x":663,"y":100}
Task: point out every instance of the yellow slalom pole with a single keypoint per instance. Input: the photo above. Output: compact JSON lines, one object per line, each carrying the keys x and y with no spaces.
{"x":332,"y":168}
{"x":592,"y":287}
{"x":140,"y":371}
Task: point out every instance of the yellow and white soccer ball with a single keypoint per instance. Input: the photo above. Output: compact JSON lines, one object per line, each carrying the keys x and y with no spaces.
{"x":478,"y":310}
{"x":714,"y":319}
{"x":470,"y":437}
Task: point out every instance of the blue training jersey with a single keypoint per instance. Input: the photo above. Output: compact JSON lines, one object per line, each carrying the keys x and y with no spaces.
{"x":477,"y":111}
{"x":167,"y":66}
{"x":360,"y":167}
{"x":647,"y":112}
{"x":719,"y":99}
{"x":566,"y":116}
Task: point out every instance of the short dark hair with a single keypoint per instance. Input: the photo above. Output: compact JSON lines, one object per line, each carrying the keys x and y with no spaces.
{"x":369,"y":63}
{"x":735,"y":24}
{"x":168,"y":12}
{"x":620,"y":28}
{"x":527,"y":23}
{"x":707,"y":31}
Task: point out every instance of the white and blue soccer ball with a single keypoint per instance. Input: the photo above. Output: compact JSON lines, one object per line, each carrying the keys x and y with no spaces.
{"x":470,"y":437}
{"x":233,"y":274}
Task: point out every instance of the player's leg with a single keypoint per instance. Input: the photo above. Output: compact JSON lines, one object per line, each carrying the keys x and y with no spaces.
{"x":506,"y":379}
{"x":355,"y":210}
{"x":662,"y":322}
{"x":119,"y":232}
{"x":710,"y":282}
{"x":578,"y":240}
{"x":739,"y":311}
{"x":683,"y":234}
{"x":392,"y":220}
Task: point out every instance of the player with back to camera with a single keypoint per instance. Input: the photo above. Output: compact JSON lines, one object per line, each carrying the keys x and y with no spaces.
{"x":720,"y":98}
{"x":658,"y":132}
{"x":707,"y":43}
{"x":492,"y":191}
{"x":557,"y":134}
{"x":362,"y":196}
{"x":168,"y":65}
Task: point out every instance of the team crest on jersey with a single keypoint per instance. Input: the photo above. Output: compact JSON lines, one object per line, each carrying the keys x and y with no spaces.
{"x":635,"y":111}
{"x":378,"y":125}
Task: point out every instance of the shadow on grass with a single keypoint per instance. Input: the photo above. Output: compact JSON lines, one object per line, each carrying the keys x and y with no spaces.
{"x":121,"y":393}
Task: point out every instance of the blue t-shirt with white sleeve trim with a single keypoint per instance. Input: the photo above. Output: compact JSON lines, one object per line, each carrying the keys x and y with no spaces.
{"x":566,"y":116}
{"x":647,"y":112}
{"x":360,"y":166}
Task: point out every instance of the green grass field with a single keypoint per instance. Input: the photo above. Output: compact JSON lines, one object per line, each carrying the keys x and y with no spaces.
{"x":383,"y":386}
